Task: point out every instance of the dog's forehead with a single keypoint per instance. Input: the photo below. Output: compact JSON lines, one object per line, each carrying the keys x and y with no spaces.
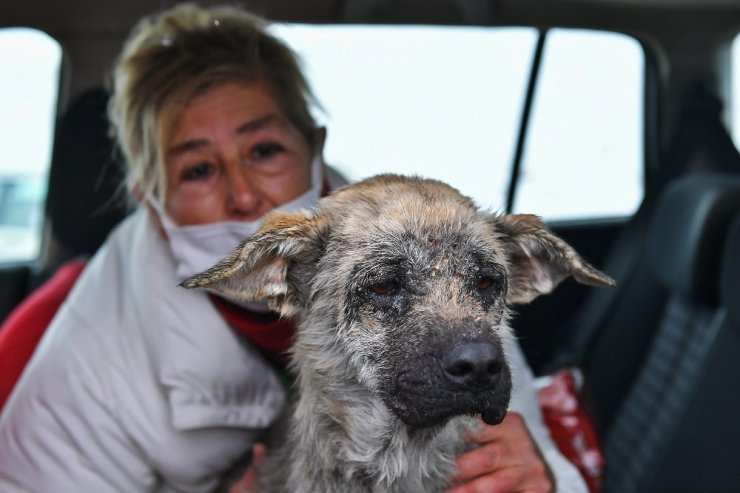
{"x":391,"y":204}
{"x":423,"y":224}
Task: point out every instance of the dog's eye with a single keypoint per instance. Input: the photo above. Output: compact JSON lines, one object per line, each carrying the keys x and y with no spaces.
{"x":483,"y":283}
{"x":384,"y":287}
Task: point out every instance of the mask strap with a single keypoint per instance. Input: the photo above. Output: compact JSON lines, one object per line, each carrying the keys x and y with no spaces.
{"x":155,"y":205}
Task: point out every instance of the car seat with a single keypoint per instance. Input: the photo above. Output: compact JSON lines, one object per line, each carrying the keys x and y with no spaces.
{"x":677,"y":430}
{"x":85,"y":197}
{"x":679,"y":269}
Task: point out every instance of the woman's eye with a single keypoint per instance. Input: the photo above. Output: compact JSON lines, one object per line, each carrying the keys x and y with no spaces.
{"x":266,"y":150}
{"x":384,"y":287}
{"x":198,"y":172}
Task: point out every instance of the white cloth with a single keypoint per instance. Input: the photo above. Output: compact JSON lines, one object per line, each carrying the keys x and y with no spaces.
{"x":525,"y":402}
{"x":138,"y":385}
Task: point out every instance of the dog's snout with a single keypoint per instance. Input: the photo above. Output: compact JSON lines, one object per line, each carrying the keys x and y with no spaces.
{"x":473,"y":364}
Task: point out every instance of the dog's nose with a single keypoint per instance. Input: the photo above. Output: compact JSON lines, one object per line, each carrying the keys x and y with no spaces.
{"x":473,"y":364}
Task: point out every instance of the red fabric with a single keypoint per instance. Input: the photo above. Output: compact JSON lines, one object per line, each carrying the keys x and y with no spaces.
{"x":270,"y":333}
{"x":571,"y":428}
{"x":22,"y":330}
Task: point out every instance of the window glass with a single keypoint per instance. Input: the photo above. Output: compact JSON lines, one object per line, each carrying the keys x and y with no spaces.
{"x":446,"y":102}
{"x":584,"y":148}
{"x":440,"y":102}
{"x":29,"y":80}
{"x":735,"y":90}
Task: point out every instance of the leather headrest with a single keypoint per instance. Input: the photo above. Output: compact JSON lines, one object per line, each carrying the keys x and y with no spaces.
{"x":687,"y":233}
{"x":85,"y":200}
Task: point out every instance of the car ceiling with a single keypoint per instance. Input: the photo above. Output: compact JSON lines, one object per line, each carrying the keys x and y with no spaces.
{"x":680,"y":33}
{"x":117,"y":17}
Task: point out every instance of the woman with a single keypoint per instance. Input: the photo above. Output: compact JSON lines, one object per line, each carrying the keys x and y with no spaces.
{"x":139,"y":385}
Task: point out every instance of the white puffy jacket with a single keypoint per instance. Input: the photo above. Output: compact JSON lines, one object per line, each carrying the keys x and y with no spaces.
{"x":138,"y":385}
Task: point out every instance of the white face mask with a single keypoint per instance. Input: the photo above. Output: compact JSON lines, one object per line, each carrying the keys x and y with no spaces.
{"x":198,"y":247}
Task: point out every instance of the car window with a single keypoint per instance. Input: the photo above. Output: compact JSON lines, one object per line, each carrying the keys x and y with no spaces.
{"x":442,"y":102}
{"x":29,"y":80}
{"x":734,"y":105}
{"x":584,"y":152}
{"x":447,"y":102}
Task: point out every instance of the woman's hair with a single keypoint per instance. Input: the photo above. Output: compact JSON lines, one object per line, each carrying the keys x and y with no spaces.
{"x":171,"y":56}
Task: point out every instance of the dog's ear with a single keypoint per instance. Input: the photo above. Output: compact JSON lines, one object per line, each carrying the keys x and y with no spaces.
{"x":539,"y":260}
{"x":257,"y":270}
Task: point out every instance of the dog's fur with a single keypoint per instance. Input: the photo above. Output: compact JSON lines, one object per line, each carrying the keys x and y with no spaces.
{"x":403,"y":290}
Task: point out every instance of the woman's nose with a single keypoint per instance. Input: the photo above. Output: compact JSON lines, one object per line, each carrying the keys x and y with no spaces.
{"x":244,"y":198}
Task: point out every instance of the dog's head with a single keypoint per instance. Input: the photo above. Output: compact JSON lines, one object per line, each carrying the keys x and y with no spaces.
{"x":408,"y":283}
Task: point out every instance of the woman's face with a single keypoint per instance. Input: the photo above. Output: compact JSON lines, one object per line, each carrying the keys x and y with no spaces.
{"x":233,"y":155}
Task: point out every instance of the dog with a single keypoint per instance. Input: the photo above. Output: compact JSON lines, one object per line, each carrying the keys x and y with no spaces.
{"x":403,"y":288}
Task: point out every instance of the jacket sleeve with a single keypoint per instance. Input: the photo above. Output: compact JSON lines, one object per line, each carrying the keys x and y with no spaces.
{"x":57,"y":434}
{"x":525,"y":402}
{"x":24,"y":327}
{"x":67,"y":428}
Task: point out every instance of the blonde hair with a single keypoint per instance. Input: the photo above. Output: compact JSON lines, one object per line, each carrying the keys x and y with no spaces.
{"x":171,"y":56}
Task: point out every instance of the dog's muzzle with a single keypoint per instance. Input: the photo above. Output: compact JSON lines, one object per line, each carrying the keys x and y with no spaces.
{"x":466,"y":377}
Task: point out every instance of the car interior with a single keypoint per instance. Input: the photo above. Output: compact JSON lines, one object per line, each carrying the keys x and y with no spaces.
{"x":660,"y":353}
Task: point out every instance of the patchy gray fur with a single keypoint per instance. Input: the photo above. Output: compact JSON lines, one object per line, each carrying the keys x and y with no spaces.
{"x":403,"y":290}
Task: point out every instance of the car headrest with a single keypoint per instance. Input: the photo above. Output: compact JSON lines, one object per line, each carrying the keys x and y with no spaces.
{"x":730,"y":274}
{"x":687,"y":233}
{"x":85,"y":200}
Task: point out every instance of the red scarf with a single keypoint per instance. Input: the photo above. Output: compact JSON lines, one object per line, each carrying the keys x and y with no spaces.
{"x":267,"y":331}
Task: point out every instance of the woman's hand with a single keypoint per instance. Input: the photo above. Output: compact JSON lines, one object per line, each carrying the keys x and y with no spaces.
{"x":506,"y":459}
{"x":248,"y":483}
